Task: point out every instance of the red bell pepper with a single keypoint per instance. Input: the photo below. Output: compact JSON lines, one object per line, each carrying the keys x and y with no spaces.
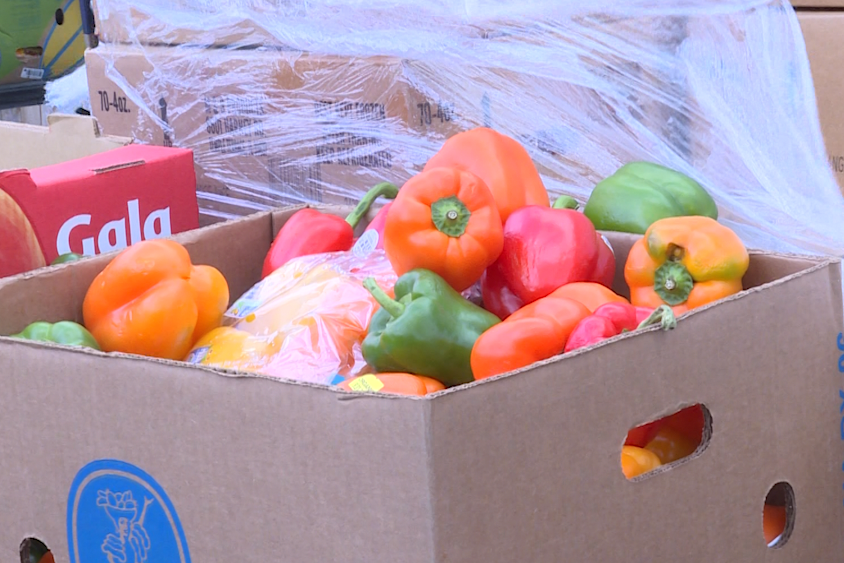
{"x":545,"y":248}
{"x":377,"y":224}
{"x":614,"y":318}
{"x":310,"y":231}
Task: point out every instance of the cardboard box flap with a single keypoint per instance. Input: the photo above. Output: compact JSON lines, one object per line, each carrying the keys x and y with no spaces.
{"x":534,"y":467}
{"x":353,"y":469}
{"x":67,"y":137}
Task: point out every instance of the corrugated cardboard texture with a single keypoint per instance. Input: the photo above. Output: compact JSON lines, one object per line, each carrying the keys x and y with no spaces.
{"x":66,"y":137}
{"x":524,"y":467}
{"x":341,"y":124}
{"x":822,"y":32}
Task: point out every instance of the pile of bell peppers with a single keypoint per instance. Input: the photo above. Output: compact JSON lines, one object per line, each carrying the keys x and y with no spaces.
{"x":478,"y":216}
{"x":476,"y":220}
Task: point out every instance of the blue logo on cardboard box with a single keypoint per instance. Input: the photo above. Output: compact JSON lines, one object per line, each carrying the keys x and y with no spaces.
{"x":117,"y":513}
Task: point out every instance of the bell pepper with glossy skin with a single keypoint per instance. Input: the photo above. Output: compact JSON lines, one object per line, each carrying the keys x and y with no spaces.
{"x":591,"y":294}
{"x":444,"y":220}
{"x":229,"y":348}
{"x":545,"y":248}
{"x":501,"y":162}
{"x":685,"y":262}
{"x":65,"y":258}
{"x":637,"y":461}
{"x":669,"y":445}
{"x":378,"y":223}
{"x":309,"y":231}
{"x":398,"y":383}
{"x":641,"y":193}
{"x":774,"y":521}
{"x":428,"y":329}
{"x":690,"y":422}
{"x":534,"y":333}
{"x":612,"y":319}
{"x":68,"y":333}
{"x":642,"y":435}
{"x":150,"y":300}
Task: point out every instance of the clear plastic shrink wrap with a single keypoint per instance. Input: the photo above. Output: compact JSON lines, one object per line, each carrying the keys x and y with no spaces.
{"x":317,"y":100}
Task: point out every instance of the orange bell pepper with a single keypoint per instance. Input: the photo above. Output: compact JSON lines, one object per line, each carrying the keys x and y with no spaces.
{"x":591,"y":294}
{"x":685,"y":262}
{"x":444,"y":220}
{"x":501,"y":162}
{"x":398,"y":383}
{"x":669,"y":445}
{"x":774,"y":520}
{"x":150,"y":300}
{"x":637,"y":461}
{"x":535,"y":332}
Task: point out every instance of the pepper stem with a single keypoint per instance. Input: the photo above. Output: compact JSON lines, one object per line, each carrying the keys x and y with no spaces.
{"x":387,"y":303}
{"x":385,"y":189}
{"x":565,"y":202}
{"x":664,"y":315}
{"x":450,"y":216}
{"x":673,"y":283}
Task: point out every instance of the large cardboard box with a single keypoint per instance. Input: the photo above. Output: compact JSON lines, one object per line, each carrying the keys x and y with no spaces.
{"x":262,"y":22}
{"x":64,"y":188}
{"x":267,"y":127}
{"x":119,"y":453}
{"x":822,"y":32}
{"x":270,"y":128}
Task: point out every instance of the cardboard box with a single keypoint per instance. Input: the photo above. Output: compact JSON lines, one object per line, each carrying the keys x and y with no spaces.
{"x":524,"y":467}
{"x":826,"y":4}
{"x":64,"y":188}
{"x":270,"y":128}
{"x":269,"y":23}
{"x":39,"y":40}
{"x":822,"y":32}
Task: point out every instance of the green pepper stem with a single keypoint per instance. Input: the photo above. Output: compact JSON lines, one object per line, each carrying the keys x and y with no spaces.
{"x":390,"y":305}
{"x":673,"y":283}
{"x":450,"y":216}
{"x":385,"y":189}
{"x":663,"y":315}
{"x":565,"y":202}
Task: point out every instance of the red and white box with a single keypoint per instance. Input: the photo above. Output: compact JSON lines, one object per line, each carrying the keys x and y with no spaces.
{"x":116,"y":195}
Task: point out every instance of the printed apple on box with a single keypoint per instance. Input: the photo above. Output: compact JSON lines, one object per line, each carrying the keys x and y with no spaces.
{"x":95,"y":204}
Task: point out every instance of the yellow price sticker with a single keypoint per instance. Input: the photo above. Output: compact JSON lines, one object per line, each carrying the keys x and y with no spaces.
{"x":365,"y":383}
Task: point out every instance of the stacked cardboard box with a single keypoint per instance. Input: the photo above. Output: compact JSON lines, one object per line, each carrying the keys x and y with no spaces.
{"x":270,"y":125}
{"x":822,"y":22}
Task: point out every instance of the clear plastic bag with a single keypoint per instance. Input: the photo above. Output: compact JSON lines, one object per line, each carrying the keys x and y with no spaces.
{"x":305,"y":321}
{"x":339,"y":95}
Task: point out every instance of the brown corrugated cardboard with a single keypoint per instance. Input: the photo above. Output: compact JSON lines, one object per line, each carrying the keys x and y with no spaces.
{"x":249,"y":22}
{"x":822,"y":32}
{"x":343,"y":124}
{"x":826,"y":4}
{"x":523,"y":467}
{"x":270,"y":127}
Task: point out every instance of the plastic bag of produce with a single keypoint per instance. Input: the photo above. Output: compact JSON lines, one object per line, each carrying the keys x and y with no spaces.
{"x":323,"y":99}
{"x":305,"y":321}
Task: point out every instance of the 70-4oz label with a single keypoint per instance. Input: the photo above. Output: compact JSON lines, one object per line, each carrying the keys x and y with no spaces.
{"x":113,"y":102}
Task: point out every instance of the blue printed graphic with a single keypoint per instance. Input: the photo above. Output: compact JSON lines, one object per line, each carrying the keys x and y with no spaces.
{"x":117,"y":513}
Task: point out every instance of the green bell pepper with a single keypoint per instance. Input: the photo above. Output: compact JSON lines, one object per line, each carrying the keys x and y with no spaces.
{"x":65,"y":258}
{"x":429,"y":330}
{"x":641,"y":193}
{"x":68,"y":333}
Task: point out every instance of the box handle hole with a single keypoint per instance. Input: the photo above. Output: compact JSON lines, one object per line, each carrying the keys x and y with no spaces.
{"x":778,"y":515}
{"x":33,"y":550}
{"x":59,"y":16}
{"x":666,"y":442}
